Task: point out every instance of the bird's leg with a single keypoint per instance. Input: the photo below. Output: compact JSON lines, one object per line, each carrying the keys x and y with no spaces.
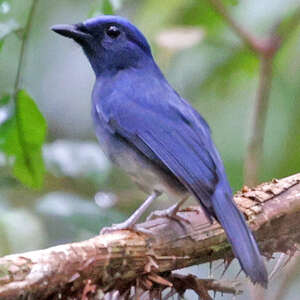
{"x":132,"y":220}
{"x":170,"y":213}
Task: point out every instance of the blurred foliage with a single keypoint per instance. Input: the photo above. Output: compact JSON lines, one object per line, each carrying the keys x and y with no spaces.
{"x":215,"y":72}
{"x":23,"y":132}
{"x":101,"y":7}
{"x":76,"y":217}
{"x":23,"y":139}
{"x":77,"y":159}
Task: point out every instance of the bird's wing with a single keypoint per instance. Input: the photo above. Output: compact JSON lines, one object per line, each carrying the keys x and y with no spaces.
{"x":178,"y":139}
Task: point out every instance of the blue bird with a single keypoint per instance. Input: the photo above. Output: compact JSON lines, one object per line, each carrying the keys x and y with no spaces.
{"x":157,"y":137}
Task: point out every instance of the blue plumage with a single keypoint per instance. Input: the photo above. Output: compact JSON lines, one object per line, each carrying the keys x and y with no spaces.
{"x":156,"y":136}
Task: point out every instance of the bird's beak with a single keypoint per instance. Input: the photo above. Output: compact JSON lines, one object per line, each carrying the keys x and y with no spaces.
{"x":70,"y":31}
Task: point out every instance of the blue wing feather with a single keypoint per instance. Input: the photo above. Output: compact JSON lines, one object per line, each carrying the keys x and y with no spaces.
{"x":178,"y":144}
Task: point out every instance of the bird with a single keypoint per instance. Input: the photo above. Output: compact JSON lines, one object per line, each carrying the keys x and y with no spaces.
{"x":147,"y":129}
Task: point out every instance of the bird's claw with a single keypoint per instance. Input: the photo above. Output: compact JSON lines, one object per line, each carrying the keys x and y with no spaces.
{"x":114,"y":227}
{"x":170,"y":213}
{"x":124,"y":226}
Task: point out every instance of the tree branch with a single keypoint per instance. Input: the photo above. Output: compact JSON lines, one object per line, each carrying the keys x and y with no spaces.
{"x":23,"y":47}
{"x":255,"y":146}
{"x":120,"y":259}
{"x":246,"y":36}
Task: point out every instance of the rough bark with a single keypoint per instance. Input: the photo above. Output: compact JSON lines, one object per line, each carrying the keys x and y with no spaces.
{"x":112,"y":261}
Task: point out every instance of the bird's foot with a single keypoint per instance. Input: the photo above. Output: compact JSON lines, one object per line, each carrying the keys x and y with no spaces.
{"x":170,"y":213}
{"x":131,"y":222}
{"x":116,"y":227}
{"x":125,"y":226}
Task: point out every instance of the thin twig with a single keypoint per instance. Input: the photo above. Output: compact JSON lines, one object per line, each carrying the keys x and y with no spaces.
{"x":252,"y":42}
{"x":288,"y":275}
{"x":265,"y":48}
{"x":18,"y":79}
{"x":184,"y":282}
{"x":23,"y":47}
{"x":255,"y":146}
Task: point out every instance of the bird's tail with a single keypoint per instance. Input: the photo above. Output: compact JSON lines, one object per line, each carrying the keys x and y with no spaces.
{"x":240,"y":237}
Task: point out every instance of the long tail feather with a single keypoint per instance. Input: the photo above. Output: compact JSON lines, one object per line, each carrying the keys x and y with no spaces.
{"x":240,"y":237}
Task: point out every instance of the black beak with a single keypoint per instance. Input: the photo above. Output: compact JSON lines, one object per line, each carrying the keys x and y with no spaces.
{"x":71,"y":31}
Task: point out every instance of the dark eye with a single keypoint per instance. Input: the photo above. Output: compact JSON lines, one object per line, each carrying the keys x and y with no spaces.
{"x":113,"y":31}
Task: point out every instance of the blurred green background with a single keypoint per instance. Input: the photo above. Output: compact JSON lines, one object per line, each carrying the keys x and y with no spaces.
{"x":201,"y":57}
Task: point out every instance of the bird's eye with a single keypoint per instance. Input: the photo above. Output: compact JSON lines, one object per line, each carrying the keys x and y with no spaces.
{"x":113,"y":31}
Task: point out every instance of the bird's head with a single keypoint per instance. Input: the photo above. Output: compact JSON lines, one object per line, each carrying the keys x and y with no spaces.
{"x":111,"y":43}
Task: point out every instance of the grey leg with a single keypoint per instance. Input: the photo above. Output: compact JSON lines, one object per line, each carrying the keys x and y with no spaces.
{"x":132,"y":220}
{"x":169,"y":212}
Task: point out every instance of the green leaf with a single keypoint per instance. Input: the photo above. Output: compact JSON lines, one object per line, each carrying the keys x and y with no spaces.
{"x":5,"y":131}
{"x":201,"y":13}
{"x":1,"y":44}
{"x":107,"y":7}
{"x":4,"y":99}
{"x":101,"y":7}
{"x":232,"y":2}
{"x":24,"y":141}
